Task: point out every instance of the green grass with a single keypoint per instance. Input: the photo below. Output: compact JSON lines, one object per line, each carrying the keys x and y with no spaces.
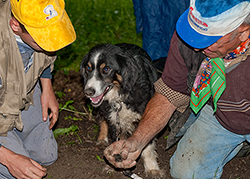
{"x":96,"y":22}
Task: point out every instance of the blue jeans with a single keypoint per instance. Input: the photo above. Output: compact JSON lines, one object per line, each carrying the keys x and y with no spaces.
{"x":35,"y":141}
{"x":205,"y":148}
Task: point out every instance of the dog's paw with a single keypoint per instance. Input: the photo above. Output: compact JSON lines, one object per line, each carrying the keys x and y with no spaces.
{"x":102,"y":144}
{"x":156,"y":174}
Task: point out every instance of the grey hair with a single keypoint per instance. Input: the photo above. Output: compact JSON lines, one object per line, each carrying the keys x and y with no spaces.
{"x":245,"y":22}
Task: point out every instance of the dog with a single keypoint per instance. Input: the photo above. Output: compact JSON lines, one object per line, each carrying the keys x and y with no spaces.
{"x":118,"y":79}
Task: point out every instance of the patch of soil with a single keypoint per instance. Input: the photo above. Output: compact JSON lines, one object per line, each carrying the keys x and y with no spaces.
{"x":78,"y":156}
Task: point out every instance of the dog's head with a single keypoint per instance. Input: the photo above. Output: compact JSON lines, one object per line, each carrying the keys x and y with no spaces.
{"x":107,"y":71}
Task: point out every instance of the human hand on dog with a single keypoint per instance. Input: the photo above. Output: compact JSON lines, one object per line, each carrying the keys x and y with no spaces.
{"x":123,"y":153}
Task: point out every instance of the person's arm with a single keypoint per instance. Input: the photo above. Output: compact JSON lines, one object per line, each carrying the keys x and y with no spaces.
{"x":155,"y":118}
{"x":48,"y":101}
{"x":21,"y":166}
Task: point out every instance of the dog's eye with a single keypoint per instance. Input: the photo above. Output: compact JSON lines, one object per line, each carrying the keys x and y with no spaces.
{"x":106,"y":70}
{"x":88,"y":68}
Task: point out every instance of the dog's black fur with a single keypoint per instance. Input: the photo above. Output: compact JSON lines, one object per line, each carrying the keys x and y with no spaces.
{"x":119,"y":81}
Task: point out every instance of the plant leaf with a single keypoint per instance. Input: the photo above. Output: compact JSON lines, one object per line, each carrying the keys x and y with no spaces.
{"x":62,"y":131}
{"x":99,"y":158}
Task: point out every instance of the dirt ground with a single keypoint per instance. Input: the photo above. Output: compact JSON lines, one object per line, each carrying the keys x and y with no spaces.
{"x":78,"y":156}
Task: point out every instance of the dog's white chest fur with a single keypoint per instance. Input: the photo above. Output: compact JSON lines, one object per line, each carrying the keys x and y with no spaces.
{"x":124,"y":118}
{"x":120,"y":115}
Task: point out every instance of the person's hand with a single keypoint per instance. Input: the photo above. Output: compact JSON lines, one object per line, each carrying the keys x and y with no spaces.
{"x":123,"y":153}
{"x":48,"y":101}
{"x":21,"y":166}
{"x":24,"y":167}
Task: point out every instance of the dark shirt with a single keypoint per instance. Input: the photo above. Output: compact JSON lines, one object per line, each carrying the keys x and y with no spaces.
{"x":233,"y":110}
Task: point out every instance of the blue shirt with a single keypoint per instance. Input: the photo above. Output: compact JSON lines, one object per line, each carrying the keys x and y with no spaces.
{"x":27,"y":56}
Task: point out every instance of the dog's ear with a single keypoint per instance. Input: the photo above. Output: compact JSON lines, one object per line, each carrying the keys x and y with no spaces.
{"x":129,"y":72}
{"x":82,"y":67}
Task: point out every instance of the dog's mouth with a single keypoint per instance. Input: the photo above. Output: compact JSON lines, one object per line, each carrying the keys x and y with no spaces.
{"x":97,"y":101}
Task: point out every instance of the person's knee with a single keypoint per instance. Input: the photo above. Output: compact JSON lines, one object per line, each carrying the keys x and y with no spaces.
{"x":180,"y":170}
{"x":178,"y":173}
{"x":47,"y":153}
{"x":47,"y":158}
{"x":50,"y":160}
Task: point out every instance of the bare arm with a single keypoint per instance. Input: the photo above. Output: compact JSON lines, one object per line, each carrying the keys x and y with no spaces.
{"x":155,"y":118}
{"x":21,"y":166}
{"x":48,"y":101}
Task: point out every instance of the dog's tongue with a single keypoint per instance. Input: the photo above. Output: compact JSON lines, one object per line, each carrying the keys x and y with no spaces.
{"x":96,"y":99}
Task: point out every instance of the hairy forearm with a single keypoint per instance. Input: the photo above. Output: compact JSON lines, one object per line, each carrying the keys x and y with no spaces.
{"x":155,"y":118}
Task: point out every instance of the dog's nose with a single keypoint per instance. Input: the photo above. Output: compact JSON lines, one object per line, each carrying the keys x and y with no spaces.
{"x":89,"y":91}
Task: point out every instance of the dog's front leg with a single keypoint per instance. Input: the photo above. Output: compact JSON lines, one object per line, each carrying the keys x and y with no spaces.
{"x":102,"y":140}
{"x":151,"y":166}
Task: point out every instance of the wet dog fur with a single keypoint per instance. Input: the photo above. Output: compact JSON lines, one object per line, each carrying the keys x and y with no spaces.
{"x":118,"y":79}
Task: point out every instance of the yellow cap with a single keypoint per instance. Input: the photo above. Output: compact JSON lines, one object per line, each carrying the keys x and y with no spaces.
{"x":46,"y":21}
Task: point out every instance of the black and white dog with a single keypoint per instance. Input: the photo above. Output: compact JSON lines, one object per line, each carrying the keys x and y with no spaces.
{"x":118,"y":79}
